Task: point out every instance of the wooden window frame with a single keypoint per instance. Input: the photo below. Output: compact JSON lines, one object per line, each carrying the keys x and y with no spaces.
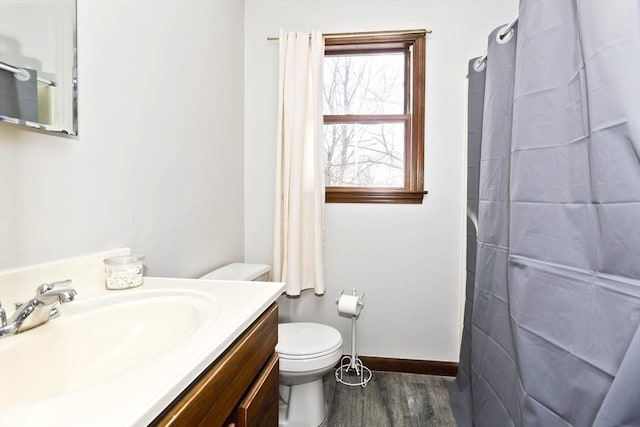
{"x":413,"y":44}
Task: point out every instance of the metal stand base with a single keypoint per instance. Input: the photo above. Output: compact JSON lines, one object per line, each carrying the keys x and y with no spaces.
{"x":352,"y":372}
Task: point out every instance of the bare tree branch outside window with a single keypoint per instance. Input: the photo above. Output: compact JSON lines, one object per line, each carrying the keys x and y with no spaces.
{"x":365,"y":153}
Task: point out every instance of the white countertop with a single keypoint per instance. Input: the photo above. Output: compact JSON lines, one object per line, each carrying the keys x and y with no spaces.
{"x":135,"y":397}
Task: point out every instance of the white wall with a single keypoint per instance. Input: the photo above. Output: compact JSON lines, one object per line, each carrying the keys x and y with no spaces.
{"x":407,"y":259}
{"x":158,"y":163}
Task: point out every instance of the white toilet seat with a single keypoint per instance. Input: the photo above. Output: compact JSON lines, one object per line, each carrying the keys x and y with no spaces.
{"x":306,"y":347}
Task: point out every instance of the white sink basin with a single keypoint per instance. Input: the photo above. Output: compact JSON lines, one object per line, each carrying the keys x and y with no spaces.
{"x":119,"y":358}
{"x":98,"y":339}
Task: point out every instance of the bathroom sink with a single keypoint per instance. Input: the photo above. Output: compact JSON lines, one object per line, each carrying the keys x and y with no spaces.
{"x":98,"y":339}
{"x":121,"y":357}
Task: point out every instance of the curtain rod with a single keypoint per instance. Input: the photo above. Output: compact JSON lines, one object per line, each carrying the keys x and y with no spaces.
{"x":478,"y":65}
{"x":372,"y":33}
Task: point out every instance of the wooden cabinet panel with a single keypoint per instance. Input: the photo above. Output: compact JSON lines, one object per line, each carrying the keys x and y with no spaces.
{"x":259,"y":408}
{"x":212,"y":397}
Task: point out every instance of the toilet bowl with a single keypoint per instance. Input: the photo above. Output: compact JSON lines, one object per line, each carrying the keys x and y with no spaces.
{"x":306,"y":350}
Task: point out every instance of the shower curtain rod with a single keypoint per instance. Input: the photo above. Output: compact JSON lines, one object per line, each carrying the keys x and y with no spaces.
{"x":502,"y":33}
{"x":373,"y":33}
{"x":19,"y":71}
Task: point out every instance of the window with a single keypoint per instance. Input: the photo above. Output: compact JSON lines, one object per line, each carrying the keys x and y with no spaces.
{"x":374,"y":117}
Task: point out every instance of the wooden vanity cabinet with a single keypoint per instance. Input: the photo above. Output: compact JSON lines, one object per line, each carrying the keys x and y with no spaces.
{"x":239,"y":389}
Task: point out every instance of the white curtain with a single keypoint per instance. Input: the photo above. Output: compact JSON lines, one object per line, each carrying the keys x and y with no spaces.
{"x":299,"y":199}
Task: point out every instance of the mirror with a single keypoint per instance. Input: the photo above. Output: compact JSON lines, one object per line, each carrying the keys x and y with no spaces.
{"x":38,"y":80}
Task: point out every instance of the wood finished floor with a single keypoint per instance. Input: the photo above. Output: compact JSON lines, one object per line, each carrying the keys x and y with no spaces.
{"x":390,"y":399}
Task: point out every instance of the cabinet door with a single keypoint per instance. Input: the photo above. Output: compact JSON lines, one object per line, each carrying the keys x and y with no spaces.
{"x":259,"y":408}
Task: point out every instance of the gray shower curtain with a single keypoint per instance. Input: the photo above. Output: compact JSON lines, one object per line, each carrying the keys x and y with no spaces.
{"x":551,"y":334}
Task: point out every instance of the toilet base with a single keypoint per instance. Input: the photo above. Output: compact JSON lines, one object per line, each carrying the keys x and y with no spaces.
{"x":302,"y":405}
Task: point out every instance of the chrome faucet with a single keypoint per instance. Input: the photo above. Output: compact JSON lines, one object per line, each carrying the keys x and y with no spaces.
{"x":38,"y":310}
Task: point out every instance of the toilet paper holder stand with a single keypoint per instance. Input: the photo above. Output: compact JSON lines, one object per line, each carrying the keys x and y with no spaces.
{"x":351,"y":364}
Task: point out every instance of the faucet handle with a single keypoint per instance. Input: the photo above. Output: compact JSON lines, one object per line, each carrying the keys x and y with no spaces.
{"x":46,"y":287}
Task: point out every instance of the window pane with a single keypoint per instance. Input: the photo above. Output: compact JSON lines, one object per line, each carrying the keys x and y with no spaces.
{"x":364,"y":84}
{"x":365,"y":154}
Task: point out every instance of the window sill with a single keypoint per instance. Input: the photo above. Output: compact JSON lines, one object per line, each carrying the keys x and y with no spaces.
{"x":356,"y":195}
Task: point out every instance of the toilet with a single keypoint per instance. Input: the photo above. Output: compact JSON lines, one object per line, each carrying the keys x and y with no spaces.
{"x":306,"y":350}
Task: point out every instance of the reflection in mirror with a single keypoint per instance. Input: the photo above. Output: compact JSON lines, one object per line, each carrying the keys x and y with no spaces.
{"x":38,"y":80}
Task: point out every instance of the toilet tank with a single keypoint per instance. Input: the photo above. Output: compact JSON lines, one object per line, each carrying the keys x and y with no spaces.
{"x":240,"y":271}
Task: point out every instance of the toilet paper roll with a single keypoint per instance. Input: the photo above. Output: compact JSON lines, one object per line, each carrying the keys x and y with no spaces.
{"x":348,"y":304}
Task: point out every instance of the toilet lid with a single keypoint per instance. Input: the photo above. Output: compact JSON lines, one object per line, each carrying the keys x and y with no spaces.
{"x":307,"y":339}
